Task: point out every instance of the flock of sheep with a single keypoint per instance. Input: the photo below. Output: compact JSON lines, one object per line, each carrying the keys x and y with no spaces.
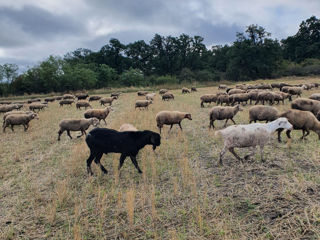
{"x":304,"y":115}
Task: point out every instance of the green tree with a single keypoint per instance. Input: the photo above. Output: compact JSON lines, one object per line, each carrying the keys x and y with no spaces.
{"x":132,"y":77}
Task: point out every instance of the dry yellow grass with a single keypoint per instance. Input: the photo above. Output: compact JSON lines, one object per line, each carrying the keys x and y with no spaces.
{"x":45,"y":192}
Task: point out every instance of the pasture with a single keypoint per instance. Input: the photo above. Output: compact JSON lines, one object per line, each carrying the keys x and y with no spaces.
{"x":46,"y":193}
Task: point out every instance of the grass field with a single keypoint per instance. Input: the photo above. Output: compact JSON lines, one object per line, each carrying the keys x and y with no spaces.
{"x":45,"y":192}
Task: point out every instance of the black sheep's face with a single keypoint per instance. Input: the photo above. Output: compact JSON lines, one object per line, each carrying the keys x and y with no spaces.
{"x":188,"y":115}
{"x":155,"y":140}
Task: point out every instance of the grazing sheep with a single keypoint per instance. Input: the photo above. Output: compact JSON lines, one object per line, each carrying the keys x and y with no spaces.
{"x":37,"y":106}
{"x":293,"y":90}
{"x":8,"y":108}
{"x":50,"y":99}
{"x":82,"y":96}
{"x":150,"y":96}
{"x":68,"y":96}
{"x":66,"y":102}
{"x":223,"y":98}
{"x":101,"y":114}
{"x":306,"y":104}
{"x":142,"y":104}
{"x":127,"y":127}
{"x":301,"y":120}
{"x":263,"y":113}
{"x":142,"y":93}
{"x":171,"y":118}
{"x":193,"y":89}
{"x":265,"y":96}
{"x":162,"y":91}
{"x":14,"y":112}
{"x":236,"y":91}
{"x":94,"y":98}
{"x":103,"y":141}
{"x":115,"y":94}
{"x":239,"y":98}
{"x":315,"y":96}
{"x":253,"y":95}
{"x":58,"y":97}
{"x":5,"y":102}
{"x":19,"y":119}
{"x":222,"y":86}
{"x":281,"y":96}
{"x":106,"y":100}
{"x":185,"y":90}
{"x":34,"y":100}
{"x":72,"y":124}
{"x":208,"y":98}
{"x":167,"y":96}
{"x":250,"y":135}
{"x":84,"y":104}
{"x":221,"y":113}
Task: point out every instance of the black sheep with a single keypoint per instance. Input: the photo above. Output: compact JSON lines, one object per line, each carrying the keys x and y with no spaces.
{"x":103,"y":140}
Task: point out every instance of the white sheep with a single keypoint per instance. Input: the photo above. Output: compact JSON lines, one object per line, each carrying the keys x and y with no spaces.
{"x":72,"y":124}
{"x":171,"y":118}
{"x":250,"y":135}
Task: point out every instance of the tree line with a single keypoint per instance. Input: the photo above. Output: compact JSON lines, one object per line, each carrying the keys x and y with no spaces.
{"x":167,"y":60}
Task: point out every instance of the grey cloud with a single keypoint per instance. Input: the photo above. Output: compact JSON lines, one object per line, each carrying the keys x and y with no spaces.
{"x":37,"y":23}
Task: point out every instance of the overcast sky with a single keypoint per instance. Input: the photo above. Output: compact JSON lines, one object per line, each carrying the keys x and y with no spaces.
{"x":31,"y":30}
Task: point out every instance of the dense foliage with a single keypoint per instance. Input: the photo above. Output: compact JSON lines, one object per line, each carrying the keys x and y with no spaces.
{"x":164,"y":60}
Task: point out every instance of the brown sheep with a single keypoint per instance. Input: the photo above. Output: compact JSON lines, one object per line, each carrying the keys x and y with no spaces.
{"x":281,"y":96}
{"x":167,"y":96}
{"x":115,"y":94}
{"x":101,"y":114}
{"x":142,"y":93}
{"x":14,"y":112}
{"x":58,"y":97}
{"x":106,"y":100}
{"x":221,"y":113}
{"x":142,"y":104}
{"x":239,"y":98}
{"x":265,"y":96}
{"x":315,"y":96}
{"x":306,"y":104}
{"x":5,"y":102}
{"x":223,"y":98}
{"x":68,"y":96}
{"x":34,"y":100}
{"x":150,"y":96}
{"x":193,"y":89}
{"x":236,"y":91}
{"x":222,"y":86}
{"x":185,"y":90}
{"x":82,"y":96}
{"x":301,"y":120}
{"x":37,"y":106}
{"x":66,"y":102}
{"x":162,"y":91}
{"x":94,"y":98}
{"x":263,"y":113}
{"x":293,"y":90}
{"x":50,"y":99}
{"x":8,"y":108}
{"x":171,"y":118}
{"x":127,"y":127}
{"x":19,"y":119}
{"x":208,"y":98}
{"x":84,"y":104}
{"x":72,"y":124}
{"x":253,"y":95}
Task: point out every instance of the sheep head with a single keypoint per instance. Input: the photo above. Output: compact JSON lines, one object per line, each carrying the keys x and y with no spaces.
{"x":284,"y":123}
{"x":34,"y":116}
{"x":188,"y":116}
{"x":155,"y":140}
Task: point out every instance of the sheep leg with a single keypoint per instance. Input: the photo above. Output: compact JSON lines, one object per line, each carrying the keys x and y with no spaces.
{"x":252,"y":150}
{"x":59,"y":134}
{"x":225,"y":124}
{"x":81,"y":134}
{"x":25,"y":127}
{"x":12,"y":128}
{"x":68,"y":132}
{"x":135,"y":163}
{"x":89,"y":161}
{"x":122,"y":158}
{"x":211,"y":124}
{"x":223,"y":151}
{"x":261,"y":153}
{"x":235,"y":154}
{"x":170,"y":128}
{"x":308,"y":132}
{"x":180,"y":125}
{"x":97,"y":161}
{"x":233,"y":121}
{"x":288,"y":133}
{"x":279,"y":134}
{"x":104,"y":121}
